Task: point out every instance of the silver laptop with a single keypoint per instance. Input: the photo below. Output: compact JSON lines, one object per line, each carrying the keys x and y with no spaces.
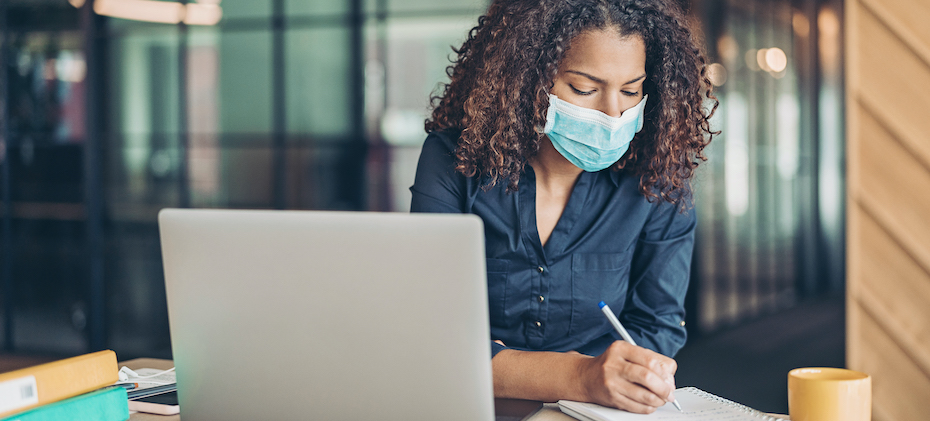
{"x":305,"y":315}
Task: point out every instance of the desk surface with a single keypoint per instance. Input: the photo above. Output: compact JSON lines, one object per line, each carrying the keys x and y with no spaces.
{"x":505,"y":409}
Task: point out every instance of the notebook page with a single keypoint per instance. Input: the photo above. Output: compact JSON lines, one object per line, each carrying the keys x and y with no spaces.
{"x":697,"y":405}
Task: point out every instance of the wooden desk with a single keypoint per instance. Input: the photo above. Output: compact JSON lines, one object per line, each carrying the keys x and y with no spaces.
{"x":504,"y":409}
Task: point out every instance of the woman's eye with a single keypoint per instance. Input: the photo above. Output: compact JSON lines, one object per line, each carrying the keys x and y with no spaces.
{"x":580,"y":92}
{"x":628,"y":93}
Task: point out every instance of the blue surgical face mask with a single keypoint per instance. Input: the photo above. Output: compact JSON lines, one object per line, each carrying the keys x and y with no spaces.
{"x":589,"y":138}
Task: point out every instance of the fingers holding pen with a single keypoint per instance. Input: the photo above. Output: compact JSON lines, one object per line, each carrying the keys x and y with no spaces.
{"x":656,"y":363}
{"x":663,"y":366}
{"x":621,"y":377}
{"x":655,"y":372}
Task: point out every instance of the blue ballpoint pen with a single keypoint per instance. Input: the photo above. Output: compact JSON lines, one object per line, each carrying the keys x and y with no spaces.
{"x":626,"y":336}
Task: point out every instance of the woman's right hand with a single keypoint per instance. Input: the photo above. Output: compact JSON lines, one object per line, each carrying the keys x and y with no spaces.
{"x":629,"y":377}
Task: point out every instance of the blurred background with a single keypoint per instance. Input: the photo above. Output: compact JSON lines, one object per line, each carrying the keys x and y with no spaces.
{"x":116,"y":109}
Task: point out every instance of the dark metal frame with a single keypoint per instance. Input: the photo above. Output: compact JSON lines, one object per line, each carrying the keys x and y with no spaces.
{"x":278,"y":106}
{"x":94,"y":50}
{"x":7,"y":262}
{"x":184,"y":199}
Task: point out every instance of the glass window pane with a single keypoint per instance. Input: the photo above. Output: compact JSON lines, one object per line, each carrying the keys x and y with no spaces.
{"x":417,"y":52}
{"x":141,"y":172}
{"x":370,"y":6}
{"x":319,"y":94}
{"x":203,"y":61}
{"x":395,"y":6}
{"x":316,"y":7}
{"x":47,"y":87}
{"x":400,"y":77}
{"x":50,"y":311}
{"x":140,"y":176}
{"x":46,"y":101}
{"x":237,"y":9}
{"x":246,"y":177}
{"x":145,"y":65}
{"x":137,"y":308}
{"x":245,"y":82}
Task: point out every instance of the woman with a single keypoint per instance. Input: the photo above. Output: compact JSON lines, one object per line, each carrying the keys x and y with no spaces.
{"x":572,"y":128}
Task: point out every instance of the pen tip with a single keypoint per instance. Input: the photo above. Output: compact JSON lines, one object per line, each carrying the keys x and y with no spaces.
{"x":677,"y":405}
{"x":601,"y":304}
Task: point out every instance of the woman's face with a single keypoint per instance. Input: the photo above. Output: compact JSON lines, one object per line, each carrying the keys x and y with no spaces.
{"x":603,"y":71}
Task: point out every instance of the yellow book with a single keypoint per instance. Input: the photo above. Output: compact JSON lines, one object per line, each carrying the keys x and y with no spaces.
{"x":51,"y":382}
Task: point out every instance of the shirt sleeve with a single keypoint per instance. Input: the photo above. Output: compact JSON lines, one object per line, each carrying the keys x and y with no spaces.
{"x":661,"y":269}
{"x":439,"y":188}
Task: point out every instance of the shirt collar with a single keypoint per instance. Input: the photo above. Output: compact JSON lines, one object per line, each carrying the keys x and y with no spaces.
{"x":614,"y":176}
{"x":530,"y":175}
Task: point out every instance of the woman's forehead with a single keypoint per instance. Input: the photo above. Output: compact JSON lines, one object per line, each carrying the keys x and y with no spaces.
{"x":607,"y":55}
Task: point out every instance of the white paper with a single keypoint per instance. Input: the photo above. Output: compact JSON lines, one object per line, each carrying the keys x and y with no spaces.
{"x":696,"y":404}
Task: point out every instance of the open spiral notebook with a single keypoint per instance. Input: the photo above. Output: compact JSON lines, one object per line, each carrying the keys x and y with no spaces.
{"x":696,"y":403}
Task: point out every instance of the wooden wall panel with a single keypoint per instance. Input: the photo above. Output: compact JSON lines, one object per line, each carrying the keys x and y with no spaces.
{"x":893,"y":286}
{"x":890,"y":75}
{"x":888,"y":218}
{"x":905,"y":17}
{"x":910,"y":14}
{"x":894,"y":187}
{"x":898,"y":391}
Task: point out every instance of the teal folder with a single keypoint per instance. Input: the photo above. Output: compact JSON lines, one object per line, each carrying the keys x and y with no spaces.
{"x":109,"y":404}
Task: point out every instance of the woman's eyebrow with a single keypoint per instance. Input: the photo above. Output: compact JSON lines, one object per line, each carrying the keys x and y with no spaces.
{"x":602,"y":81}
{"x":643,"y":76}
{"x":594,"y":78}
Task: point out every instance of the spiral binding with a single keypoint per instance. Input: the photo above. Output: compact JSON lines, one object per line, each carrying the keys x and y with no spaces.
{"x":737,"y":406}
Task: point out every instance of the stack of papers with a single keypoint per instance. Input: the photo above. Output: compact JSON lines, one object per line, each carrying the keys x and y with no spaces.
{"x":165,"y":382}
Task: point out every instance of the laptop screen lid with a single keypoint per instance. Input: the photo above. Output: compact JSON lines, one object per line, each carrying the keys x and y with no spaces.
{"x":327,"y":315}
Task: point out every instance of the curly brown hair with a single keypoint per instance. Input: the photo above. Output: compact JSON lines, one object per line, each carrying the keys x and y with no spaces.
{"x":498,"y":93}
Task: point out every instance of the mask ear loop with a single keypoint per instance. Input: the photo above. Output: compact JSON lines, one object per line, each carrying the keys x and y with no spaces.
{"x":550,"y":113}
{"x":542,"y":129}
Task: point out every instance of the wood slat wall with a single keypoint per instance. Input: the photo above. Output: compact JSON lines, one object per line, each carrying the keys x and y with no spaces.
{"x":888,"y":170}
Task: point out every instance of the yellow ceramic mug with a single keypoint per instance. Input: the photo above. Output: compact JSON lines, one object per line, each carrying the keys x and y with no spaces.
{"x":829,"y":394}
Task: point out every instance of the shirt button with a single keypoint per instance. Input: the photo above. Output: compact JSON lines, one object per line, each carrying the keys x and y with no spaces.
{"x":538,"y":323}
{"x":540,"y":269}
{"x":540,"y":298}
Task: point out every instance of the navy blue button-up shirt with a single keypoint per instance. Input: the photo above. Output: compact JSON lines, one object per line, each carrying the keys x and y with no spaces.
{"x":610,"y":245}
